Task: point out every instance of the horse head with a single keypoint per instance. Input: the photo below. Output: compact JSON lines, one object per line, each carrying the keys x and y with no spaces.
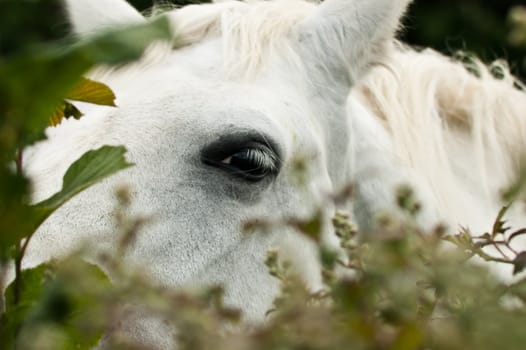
{"x":218,"y":129}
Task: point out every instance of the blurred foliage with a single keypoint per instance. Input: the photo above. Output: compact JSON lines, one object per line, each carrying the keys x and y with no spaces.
{"x":20,"y":26}
{"x":40,"y":68}
{"x":399,"y":289}
{"x":518,"y":21}
{"x":478,"y":26}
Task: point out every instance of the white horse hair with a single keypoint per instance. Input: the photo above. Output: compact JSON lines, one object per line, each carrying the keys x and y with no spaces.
{"x":271,"y":82}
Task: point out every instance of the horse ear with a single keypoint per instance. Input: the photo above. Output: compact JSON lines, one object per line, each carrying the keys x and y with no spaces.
{"x":344,"y":37}
{"x":88,"y":16}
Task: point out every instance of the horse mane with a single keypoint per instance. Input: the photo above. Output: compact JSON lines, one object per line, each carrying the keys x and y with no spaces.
{"x":251,"y":30}
{"x":434,"y":107}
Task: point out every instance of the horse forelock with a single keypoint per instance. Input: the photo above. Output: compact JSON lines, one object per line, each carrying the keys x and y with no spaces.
{"x":251,"y":31}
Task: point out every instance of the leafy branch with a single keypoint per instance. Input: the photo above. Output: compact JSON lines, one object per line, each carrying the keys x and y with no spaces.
{"x":500,"y":238}
{"x":37,"y":89}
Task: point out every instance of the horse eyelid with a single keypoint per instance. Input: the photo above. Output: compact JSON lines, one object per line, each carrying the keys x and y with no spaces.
{"x":228,"y":145}
{"x":220,"y":153}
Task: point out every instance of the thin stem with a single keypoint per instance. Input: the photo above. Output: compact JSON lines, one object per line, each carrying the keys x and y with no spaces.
{"x":488,"y":243}
{"x":18,"y":274}
{"x":4,"y":270}
{"x":516,"y":234}
{"x":20,"y":162}
{"x":497,"y":244}
{"x":20,"y":249}
{"x":500,"y":251}
{"x":508,"y":245}
{"x":488,"y":257}
{"x":20,"y":252}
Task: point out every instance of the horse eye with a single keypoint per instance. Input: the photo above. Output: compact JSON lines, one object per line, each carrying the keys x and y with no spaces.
{"x":253,"y":163}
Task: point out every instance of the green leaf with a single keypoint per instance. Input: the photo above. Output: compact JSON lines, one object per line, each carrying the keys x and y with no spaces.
{"x":17,"y":308}
{"x":125,"y":44}
{"x":499,"y":226}
{"x":89,"y":169}
{"x":32,"y":87}
{"x":32,"y":287}
{"x":29,"y":23}
{"x":74,"y":303}
{"x":463,"y":240}
{"x":63,"y":303}
{"x":35,"y":82}
{"x":92,"y":92}
{"x":21,"y":221}
{"x":13,"y":213}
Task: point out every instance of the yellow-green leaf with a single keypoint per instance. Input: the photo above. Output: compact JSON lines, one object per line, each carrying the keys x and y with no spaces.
{"x":92,"y":92}
{"x":64,"y":110}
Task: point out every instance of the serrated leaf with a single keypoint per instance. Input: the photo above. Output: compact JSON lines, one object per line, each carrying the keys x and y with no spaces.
{"x":462,"y":240}
{"x":89,"y":169}
{"x":92,"y":92}
{"x":499,"y":227}
{"x":64,"y":110}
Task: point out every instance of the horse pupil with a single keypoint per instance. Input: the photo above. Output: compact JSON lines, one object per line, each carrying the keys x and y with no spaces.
{"x":250,"y":161}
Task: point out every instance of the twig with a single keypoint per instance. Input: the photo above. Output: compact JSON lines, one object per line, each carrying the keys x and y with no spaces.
{"x":20,"y":249}
{"x":494,"y":244}
{"x":488,"y":257}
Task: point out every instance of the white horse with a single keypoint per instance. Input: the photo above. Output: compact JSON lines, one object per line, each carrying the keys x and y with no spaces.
{"x":216,"y":127}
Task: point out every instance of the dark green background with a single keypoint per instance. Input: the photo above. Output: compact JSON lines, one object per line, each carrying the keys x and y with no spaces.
{"x":479,"y":26}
